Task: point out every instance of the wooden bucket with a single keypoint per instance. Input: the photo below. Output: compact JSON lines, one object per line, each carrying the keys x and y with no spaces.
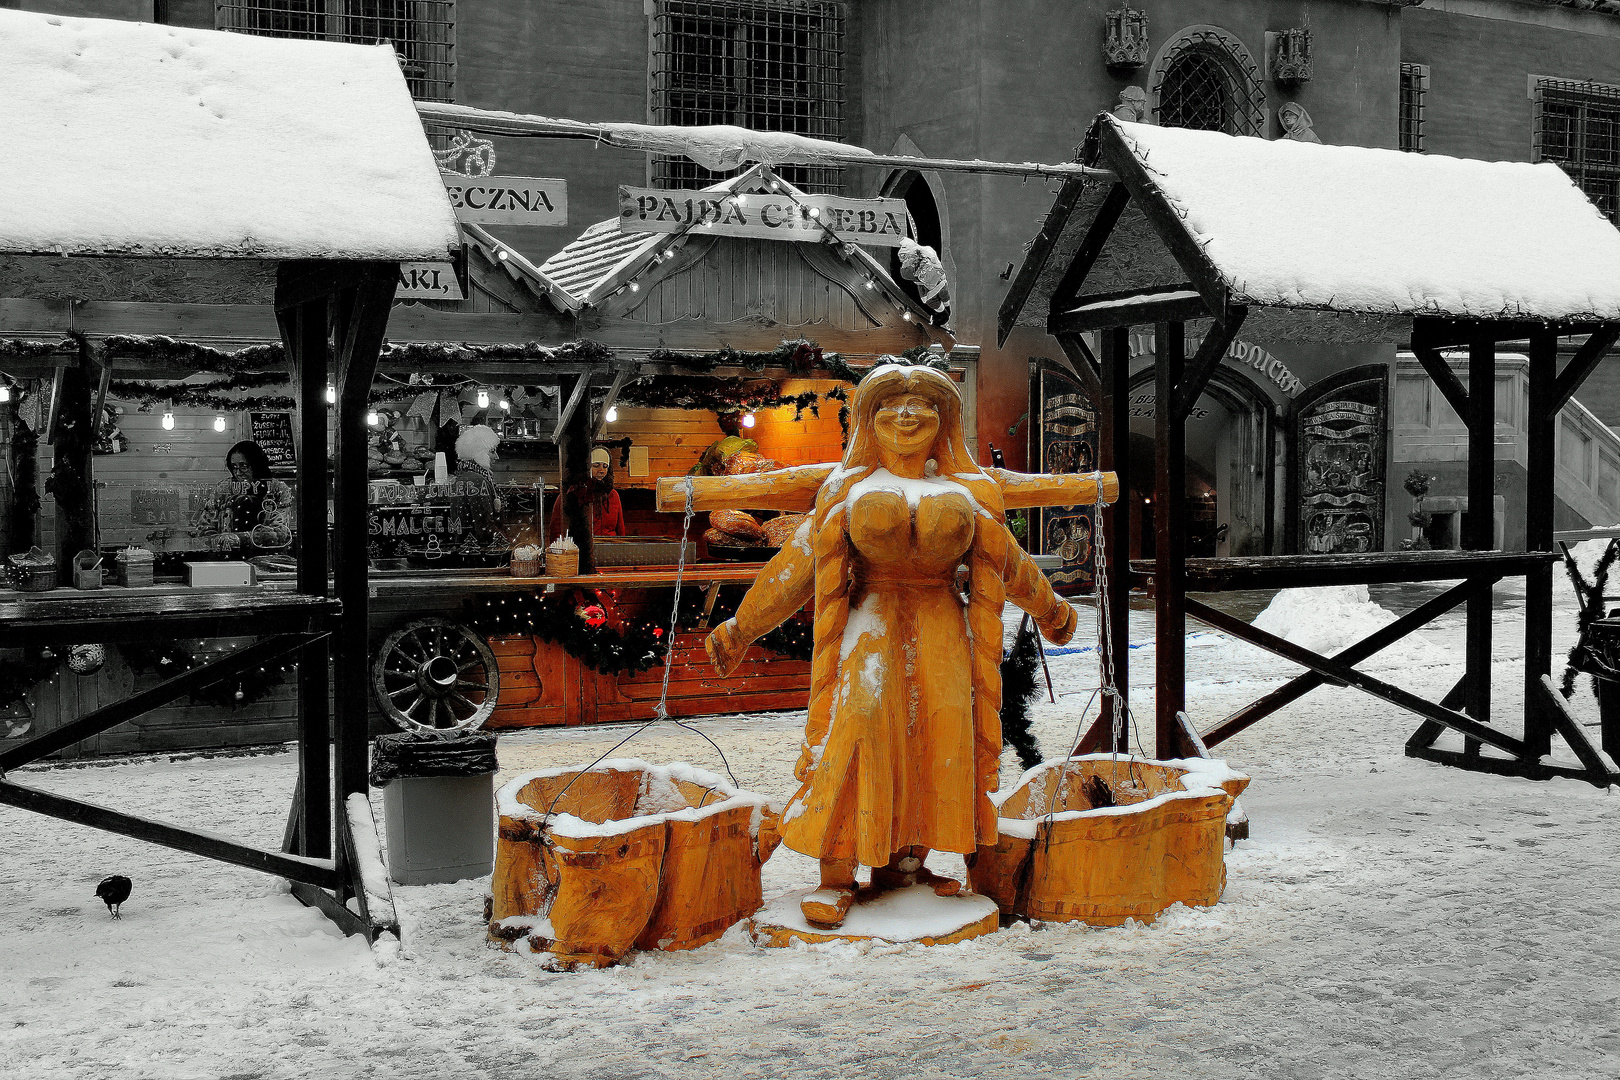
{"x":630,"y":855}
{"x":1057,"y":858}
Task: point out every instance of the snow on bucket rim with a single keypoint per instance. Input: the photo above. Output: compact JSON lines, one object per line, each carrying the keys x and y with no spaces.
{"x":508,"y":805}
{"x":1200,"y":778}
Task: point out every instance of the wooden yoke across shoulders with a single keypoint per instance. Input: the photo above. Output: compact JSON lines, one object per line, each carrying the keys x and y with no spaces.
{"x":794,"y":489}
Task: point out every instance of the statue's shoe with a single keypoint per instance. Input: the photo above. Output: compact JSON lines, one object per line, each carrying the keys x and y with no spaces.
{"x":887,"y":880}
{"x":826,"y":907}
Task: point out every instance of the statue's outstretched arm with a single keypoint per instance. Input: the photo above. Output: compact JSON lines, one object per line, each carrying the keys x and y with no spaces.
{"x":1026,"y":585}
{"x":783,"y":587}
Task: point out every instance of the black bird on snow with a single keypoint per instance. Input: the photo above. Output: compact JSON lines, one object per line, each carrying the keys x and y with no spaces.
{"x":113,"y":891}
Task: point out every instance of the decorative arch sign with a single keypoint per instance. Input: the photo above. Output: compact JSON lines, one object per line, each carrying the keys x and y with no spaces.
{"x":1337,"y":458}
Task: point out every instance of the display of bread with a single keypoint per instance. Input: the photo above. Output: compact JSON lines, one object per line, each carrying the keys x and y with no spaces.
{"x":716,"y":538}
{"x":779,"y":530}
{"x":744,"y":462}
{"x":738,"y":524}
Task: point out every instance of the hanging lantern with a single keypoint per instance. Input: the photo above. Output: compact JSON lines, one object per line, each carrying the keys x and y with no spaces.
{"x":168,"y":421}
{"x":219,"y":423}
{"x":86,"y":659}
{"x":1125,"y":39}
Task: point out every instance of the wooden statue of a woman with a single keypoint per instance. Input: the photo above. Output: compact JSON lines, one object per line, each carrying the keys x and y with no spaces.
{"x":903,"y":742}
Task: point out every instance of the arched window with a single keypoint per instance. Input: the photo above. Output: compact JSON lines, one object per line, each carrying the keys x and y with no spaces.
{"x":1205,"y":79}
{"x":925,"y":216}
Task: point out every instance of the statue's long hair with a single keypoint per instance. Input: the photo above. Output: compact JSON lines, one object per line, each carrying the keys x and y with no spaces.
{"x":834,"y":558}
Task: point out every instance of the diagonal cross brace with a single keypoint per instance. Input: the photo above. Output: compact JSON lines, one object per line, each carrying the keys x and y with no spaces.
{"x":118,"y":712}
{"x":1582,"y":364}
{"x":1455,"y":392}
{"x":1301,"y":685}
{"x":1342,"y":672}
{"x":1217,"y":339}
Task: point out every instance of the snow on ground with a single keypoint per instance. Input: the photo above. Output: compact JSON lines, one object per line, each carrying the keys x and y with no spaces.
{"x":1390,"y":918}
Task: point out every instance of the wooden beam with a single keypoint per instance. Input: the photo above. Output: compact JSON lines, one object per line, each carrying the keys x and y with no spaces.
{"x":1170,"y":225}
{"x":1583,"y":363}
{"x":1444,"y":378}
{"x":99,"y":720}
{"x":1170,"y":541}
{"x":1136,"y":309}
{"x":1091,"y":245}
{"x":619,"y":378}
{"x":296,"y":868}
{"x":1216,"y":341}
{"x":1570,"y":729}
{"x":1530,"y":770}
{"x":1351,"y":677}
{"x":794,"y":489}
{"x":358,"y":831}
{"x":1082,"y":364}
{"x":1300,"y":685}
{"x":1540,"y":504}
{"x":580,"y":387}
{"x":1479,"y":533}
{"x":351,"y":924}
{"x":1113,"y":530}
{"x":1057,"y":219}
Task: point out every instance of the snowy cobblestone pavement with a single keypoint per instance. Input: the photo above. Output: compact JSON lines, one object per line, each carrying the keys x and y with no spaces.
{"x":1390,"y":918}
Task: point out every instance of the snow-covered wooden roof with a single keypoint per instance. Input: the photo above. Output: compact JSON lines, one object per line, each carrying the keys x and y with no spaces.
{"x":130,"y":139}
{"x":1345,"y":231}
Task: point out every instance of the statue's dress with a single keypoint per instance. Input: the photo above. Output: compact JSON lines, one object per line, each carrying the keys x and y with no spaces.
{"x":899,"y":762}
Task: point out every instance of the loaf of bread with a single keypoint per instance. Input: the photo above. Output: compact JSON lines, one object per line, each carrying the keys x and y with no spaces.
{"x":780,"y":530}
{"x":716,"y":538}
{"x":743,"y":462}
{"x":737,"y":523}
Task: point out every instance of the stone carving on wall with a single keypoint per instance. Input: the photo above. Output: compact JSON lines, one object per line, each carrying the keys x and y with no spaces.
{"x":1296,"y":123}
{"x":1291,"y":56}
{"x":1125,"y":39}
{"x":1132,"y":106}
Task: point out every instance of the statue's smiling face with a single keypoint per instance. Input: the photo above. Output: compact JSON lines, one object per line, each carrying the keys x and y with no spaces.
{"x":906,"y":423}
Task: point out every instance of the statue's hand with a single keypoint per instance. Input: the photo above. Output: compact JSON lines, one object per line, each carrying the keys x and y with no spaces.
{"x":1058,"y":628}
{"x":725,"y":647}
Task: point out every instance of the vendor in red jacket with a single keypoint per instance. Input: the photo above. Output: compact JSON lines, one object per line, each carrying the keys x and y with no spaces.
{"x":600,"y":501}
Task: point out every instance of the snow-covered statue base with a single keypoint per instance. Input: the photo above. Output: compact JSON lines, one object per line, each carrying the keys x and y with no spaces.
{"x":912,"y":913}
{"x":1103,"y":838}
{"x":590,"y":864}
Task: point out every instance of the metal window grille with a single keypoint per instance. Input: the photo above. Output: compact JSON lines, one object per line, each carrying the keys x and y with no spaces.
{"x":1209,"y":83}
{"x":1414,"y":88}
{"x":771,"y":65}
{"x":1578,"y":127}
{"x":423,"y":32}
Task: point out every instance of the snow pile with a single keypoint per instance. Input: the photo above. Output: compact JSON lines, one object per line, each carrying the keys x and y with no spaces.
{"x":722,"y":147}
{"x":659,"y":799}
{"x":157,"y":140}
{"x":908,"y":914}
{"x":1380,"y":231}
{"x":1323,"y":620}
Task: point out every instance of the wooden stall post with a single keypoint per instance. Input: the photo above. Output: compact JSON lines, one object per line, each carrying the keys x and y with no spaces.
{"x":1170,"y":523}
{"x":1539,"y":505}
{"x":72,"y":433}
{"x":1480,"y":534}
{"x":1114,"y":455}
{"x":359,"y":319}
{"x":574,"y":462}
{"x":304,"y":336}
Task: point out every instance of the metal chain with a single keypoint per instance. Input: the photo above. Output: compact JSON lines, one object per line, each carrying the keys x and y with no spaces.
{"x":661,"y":712}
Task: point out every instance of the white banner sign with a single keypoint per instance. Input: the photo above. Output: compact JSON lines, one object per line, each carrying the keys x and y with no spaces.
{"x":882,"y":222}
{"x":508,"y":200}
{"x":428,"y":281}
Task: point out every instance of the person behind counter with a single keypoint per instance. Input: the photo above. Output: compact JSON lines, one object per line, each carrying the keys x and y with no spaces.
{"x":252,"y":511}
{"x":600,"y":501}
{"x":476,"y":500}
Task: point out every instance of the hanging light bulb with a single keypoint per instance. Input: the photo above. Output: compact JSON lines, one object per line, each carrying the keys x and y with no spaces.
{"x":331,"y":394}
{"x":5,"y":393}
{"x":168,"y":421}
{"x":613,"y":413}
{"x":483,"y":398}
{"x":372,"y":418}
{"x":748,"y":420}
{"x":219,"y":423}
{"x":506,"y":406}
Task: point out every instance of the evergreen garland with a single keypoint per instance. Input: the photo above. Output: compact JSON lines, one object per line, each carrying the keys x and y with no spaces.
{"x":581,"y":629}
{"x":1018,"y":690}
{"x":170,"y":658}
{"x":716,"y":395}
{"x":1590,"y":601}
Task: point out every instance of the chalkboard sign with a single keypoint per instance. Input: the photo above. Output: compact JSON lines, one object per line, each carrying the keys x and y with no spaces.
{"x":273,"y":432}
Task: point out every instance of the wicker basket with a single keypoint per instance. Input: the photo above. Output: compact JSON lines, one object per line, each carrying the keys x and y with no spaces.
{"x":30,"y":576}
{"x":526,"y":567}
{"x":562,"y":563}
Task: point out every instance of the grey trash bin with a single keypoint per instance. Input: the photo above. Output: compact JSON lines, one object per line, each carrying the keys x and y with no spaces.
{"x":439,"y":805}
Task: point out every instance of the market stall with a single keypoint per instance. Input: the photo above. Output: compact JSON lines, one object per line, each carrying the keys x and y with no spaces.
{"x":273,"y":168}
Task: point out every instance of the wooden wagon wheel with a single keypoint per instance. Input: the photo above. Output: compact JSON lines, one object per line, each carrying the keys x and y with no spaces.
{"x":436,"y":675}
